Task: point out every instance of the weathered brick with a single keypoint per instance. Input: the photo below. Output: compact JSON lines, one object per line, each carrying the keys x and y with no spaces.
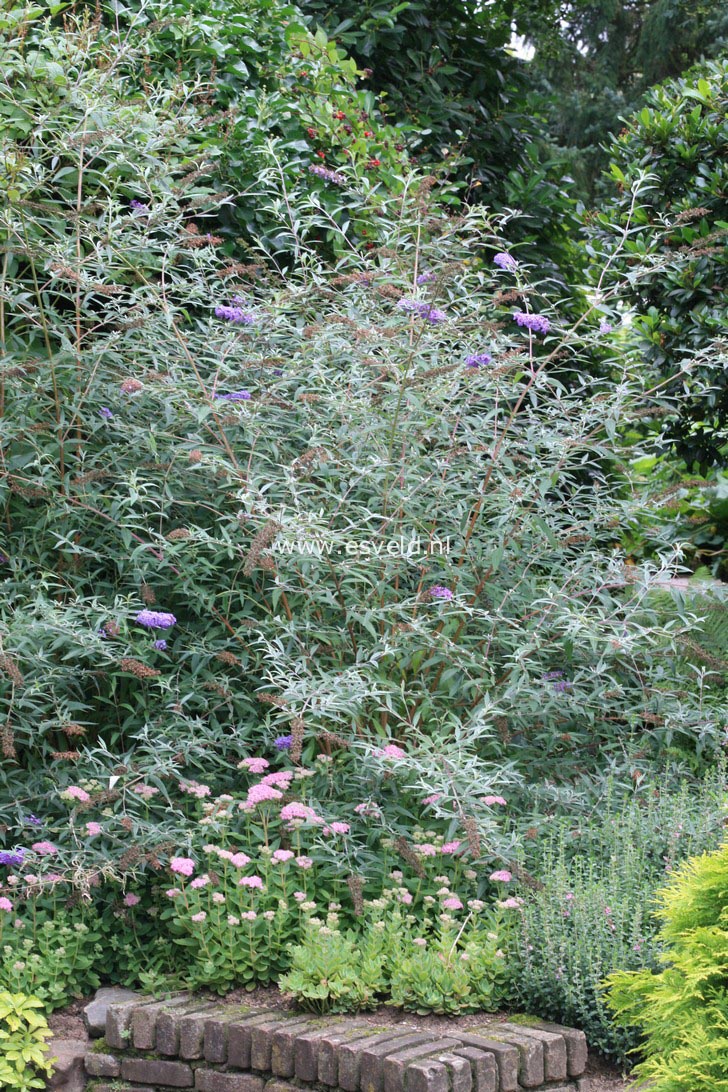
{"x":283,"y":1045}
{"x":348,"y":1056}
{"x":167,"y":1031}
{"x":101,"y":1065}
{"x":531,"y":1071}
{"x":216,"y":1032}
{"x":282,"y":1029}
{"x":484,"y":1068}
{"x":554,"y":1049}
{"x":191,"y":1030}
{"x":427,"y":1076}
{"x":261,"y":1038}
{"x":371,"y":1070}
{"x":118,"y":1024}
{"x":144,"y":1020}
{"x":116,"y":1086}
{"x":151,"y":1071}
{"x":306,"y":1049}
{"x":576,"y":1048}
{"x":211,"y":1080}
{"x":396,"y":1064}
{"x":584,"y":1084}
{"x":328,"y":1054}
{"x":506,"y":1056}
{"x":459,"y":1071}
{"x":280,"y":1086}
{"x":239,"y":1033}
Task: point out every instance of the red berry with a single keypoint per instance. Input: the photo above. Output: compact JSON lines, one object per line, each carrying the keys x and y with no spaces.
{"x":321,"y":155}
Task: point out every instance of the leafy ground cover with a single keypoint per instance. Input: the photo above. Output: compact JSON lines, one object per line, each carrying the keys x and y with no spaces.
{"x":324,"y":657}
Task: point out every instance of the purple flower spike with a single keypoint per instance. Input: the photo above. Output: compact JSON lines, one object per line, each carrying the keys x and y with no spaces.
{"x":283,"y":743}
{"x":427,"y":277}
{"x":538,"y":323}
{"x":155,"y":619}
{"x":327,"y":174}
{"x":161,"y":645}
{"x":234,"y":314}
{"x":438,"y":591}
{"x":234,"y":396}
{"x":478,"y":360}
{"x":106,"y":413}
{"x":505,"y":261}
{"x":12,"y":857}
{"x":139,"y":206}
{"x":605,"y":327}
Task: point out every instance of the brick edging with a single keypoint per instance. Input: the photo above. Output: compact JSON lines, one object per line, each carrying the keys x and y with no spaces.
{"x":153,"y":1046}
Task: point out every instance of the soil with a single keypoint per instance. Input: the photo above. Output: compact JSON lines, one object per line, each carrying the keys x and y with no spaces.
{"x":67,"y":1023}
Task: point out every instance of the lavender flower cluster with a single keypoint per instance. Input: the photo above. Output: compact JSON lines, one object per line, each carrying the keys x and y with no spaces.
{"x":478,"y":360}
{"x":538,"y":323}
{"x":425,"y":310}
{"x":11,"y":857}
{"x":234,"y":396}
{"x":155,"y":619}
{"x":327,"y":174}
{"x":234,"y":314}
{"x":505,"y":261}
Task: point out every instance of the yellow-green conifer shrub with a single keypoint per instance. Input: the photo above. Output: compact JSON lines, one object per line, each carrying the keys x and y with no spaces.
{"x":683,"y":1010}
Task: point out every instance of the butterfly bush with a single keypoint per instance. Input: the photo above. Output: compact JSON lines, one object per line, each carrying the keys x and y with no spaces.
{"x":369,"y":558}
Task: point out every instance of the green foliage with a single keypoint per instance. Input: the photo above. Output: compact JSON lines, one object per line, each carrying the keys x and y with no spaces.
{"x":444,"y":70}
{"x":594,"y":912}
{"x":23,"y":1055}
{"x":420,"y":963}
{"x":258,"y":92}
{"x":55,"y":956}
{"x":594,"y":63}
{"x":681,"y":1011}
{"x":336,"y":972}
{"x":291,"y":533}
{"x":674,"y":252}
